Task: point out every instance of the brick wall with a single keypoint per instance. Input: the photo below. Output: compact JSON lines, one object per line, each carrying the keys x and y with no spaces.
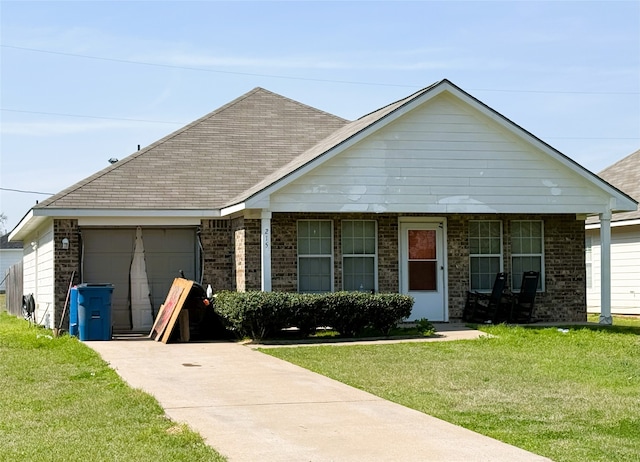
{"x":246,"y":267}
{"x":237,"y":238}
{"x":253,"y":258}
{"x":65,"y":262}
{"x":564,"y":298}
{"x":216,"y":238}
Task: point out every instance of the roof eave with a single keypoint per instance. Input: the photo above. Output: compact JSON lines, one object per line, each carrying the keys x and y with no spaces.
{"x":34,"y":219}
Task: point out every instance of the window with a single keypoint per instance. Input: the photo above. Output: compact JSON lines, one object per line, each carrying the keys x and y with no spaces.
{"x":526,"y":251}
{"x":359,"y":255}
{"x":485,"y":253}
{"x":315,"y":256}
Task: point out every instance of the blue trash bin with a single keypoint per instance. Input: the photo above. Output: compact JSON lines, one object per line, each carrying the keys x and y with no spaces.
{"x":73,"y":312}
{"x":94,"y":311}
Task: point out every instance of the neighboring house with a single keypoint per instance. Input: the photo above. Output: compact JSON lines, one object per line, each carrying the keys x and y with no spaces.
{"x":428,"y":196}
{"x":625,"y":244}
{"x":10,"y":254}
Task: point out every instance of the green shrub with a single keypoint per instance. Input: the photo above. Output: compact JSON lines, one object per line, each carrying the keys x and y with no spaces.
{"x":254,"y":314}
{"x":262,"y":314}
{"x":306,"y":312}
{"x":347,"y":312}
{"x":387,"y":310}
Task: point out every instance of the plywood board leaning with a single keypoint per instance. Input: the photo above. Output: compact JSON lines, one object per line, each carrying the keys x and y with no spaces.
{"x":168,"y":315}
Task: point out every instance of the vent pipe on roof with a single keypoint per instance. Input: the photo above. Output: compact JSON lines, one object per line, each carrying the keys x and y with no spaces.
{"x":138,"y":147}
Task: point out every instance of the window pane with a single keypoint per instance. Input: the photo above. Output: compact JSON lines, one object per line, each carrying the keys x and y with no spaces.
{"x":303,"y":246}
{"x":370,"y":245}
{"x":473,"y":228}
{"x":536,"y":245}
{"x":325,"y":229}
{"x":523,"y":264}
{"x":347,"y":229}
{"x":483,"y":272}
{"x":423,"y":275}
{"x":314,"y":274}
{"x":422,"y":244}
{"x":358,"y":273}
{"x":303,"y":229}
{"x":325,"y":246}
{"x":474,"y":245}
{"x":358,"y":237}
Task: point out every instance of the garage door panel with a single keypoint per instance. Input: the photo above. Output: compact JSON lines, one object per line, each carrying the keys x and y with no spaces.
{"x":107,"y":259}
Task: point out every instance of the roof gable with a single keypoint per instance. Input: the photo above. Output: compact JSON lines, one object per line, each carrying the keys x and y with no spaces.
{"x":443,"y":156}
{"x":204,"y":164}
{"x":357,"y":131}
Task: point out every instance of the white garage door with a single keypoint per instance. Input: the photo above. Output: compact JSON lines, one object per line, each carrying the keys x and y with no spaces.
{"x":107,"y":258}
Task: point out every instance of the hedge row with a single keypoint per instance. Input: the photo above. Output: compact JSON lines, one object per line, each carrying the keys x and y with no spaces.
{"x":262,"y":314}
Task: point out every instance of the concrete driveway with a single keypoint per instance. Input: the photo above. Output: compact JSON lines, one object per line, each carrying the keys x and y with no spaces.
{"x":253,"y":407}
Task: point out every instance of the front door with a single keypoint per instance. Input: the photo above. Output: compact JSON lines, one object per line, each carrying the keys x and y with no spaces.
{"x":422,"y":266}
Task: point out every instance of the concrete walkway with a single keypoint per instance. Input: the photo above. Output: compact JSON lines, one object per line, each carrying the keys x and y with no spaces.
{"x":252,"y":407}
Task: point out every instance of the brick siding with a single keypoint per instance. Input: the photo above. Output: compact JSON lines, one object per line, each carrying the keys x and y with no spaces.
{"x":215,"y":236}
{"x":65,"y":262}
{"x":564,"y":298}
{"x":232,"y":258}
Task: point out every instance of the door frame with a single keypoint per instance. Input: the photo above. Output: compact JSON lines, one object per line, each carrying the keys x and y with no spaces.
{"x":442,"y":221}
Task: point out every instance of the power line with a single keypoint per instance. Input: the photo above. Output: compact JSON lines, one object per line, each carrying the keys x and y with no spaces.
{"x":92,"y":117}
{"x":26,"y":192}
{"x":216,"y":71}
{"x":310,"y":79}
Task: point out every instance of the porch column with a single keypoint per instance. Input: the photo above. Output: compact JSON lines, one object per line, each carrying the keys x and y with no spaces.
{"x":605,"y":268}
{"x":265,"y":254}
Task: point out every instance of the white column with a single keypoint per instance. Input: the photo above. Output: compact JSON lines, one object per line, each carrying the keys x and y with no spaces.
{"x":605,"y":268}
{"x":265,"y":255}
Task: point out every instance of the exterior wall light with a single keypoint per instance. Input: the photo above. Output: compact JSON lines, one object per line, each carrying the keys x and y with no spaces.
{"x":65,"y":244}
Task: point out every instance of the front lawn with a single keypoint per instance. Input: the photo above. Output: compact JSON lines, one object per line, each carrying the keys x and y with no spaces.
{"x":59,"y":401}
{"x":568,"y":394}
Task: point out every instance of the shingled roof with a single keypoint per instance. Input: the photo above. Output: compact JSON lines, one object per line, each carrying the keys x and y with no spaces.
{"x":206,"y":163}
{"x":625,"y":175}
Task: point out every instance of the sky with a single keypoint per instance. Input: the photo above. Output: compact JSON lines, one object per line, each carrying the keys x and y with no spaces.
{"x":85,"y":81}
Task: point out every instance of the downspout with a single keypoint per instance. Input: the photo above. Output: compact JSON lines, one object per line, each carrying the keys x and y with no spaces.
{"x":605,"y":268}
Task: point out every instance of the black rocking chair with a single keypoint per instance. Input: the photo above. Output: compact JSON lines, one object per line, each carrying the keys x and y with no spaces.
{"x":522,"y":303}
{"x":481,"y":308}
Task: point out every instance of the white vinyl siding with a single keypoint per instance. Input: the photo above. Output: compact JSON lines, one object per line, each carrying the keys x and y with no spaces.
{"x":315,"y":256}
{"x":527,"y":251}
{"x":442,"y":157}
{"x":38,"y":273}
{"x":588,"y":258}
{"x":485,"y":253}
{"x":625,"y":270}
{"x":359,"y":255}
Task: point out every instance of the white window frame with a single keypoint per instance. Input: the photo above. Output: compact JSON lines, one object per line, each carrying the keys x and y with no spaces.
{"x":540,"y":255}
{"x":360,"y":255}
{"x":329,"y":255}
{"x":485,"y":255}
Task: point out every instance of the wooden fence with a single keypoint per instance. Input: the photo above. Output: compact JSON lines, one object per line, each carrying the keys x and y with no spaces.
{"x":13,"y":286}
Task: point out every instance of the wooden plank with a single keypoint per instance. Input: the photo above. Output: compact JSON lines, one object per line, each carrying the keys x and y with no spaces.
{"x":170,"y":310}
{"x":183,"y":321}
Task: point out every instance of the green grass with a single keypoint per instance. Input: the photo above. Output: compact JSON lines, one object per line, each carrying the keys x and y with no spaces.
{"x":570,"y":396}
{"x":60,"y":401}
